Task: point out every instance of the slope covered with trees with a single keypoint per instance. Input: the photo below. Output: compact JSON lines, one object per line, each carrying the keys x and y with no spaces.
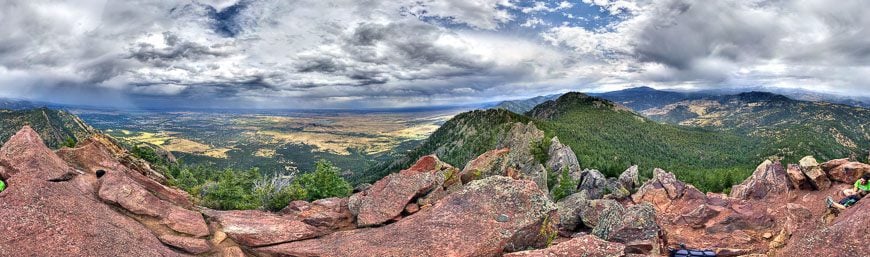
{"x":456,"y":142}
{"x":712,"y":155}
{"x":56,"y":127}
{"x":793,"y":128}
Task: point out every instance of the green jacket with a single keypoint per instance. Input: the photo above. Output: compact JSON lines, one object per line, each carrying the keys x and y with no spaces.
{"x":2,"y":185}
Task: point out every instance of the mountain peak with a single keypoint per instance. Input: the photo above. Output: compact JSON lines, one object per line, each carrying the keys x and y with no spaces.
{"x":572,"y":101}
{"x":757,"y":96}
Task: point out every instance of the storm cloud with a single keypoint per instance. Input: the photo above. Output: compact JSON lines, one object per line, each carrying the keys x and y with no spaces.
{"x":379,"y":53}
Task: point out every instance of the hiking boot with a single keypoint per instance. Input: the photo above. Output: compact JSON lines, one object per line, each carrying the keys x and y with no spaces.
{"x":829,"y":201}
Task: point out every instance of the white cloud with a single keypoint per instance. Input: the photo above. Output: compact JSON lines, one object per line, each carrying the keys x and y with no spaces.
{"x":409,"y":52}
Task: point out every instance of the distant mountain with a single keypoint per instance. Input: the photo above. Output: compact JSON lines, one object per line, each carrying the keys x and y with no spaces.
{"x":524,"y":105}
{"x":831,"y":130}
{"x":54,"y":126}
{"x":15,"y":104}
{"x":643,"y":98}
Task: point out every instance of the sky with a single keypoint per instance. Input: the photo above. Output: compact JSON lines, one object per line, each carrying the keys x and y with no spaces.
{"x":301,"y":54}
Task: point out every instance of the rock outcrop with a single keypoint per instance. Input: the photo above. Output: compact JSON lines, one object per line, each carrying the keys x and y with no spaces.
{"x":490,"y":163}
{"x":584,"y":246}
{"x":769,"y":178}
{"x":258,"y":228}
{"x":797,"y":178}
{"x":387,"y":198}
{"x":669,"y":196}
{"x":593,"y":182}
{"x":569,"y":209}
{"x":847,"y":236}
{"x":635,"y":227}
{"x":487,"y":217}
{"x":520,"y":140}
{"x":849,"y":172}
{"x":814,"y":172}
{"x":562,"y":157}
{"x":50,"y":209}
{"x":630,"y":178}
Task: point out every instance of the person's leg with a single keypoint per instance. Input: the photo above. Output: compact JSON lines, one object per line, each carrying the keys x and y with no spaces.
{"x":832,"y":204}
{"x":849,"y":192}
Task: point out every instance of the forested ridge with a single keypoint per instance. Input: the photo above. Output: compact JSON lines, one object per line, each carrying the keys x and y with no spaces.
{"x":610,"y":137}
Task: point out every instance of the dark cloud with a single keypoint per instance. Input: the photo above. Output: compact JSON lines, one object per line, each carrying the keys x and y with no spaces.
{"x":332,"y":53}
{"x":175,"y":50}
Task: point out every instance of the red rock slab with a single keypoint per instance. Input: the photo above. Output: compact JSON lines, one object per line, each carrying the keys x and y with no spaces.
{"x":485,"y":218}
{"x":258,"y":228}
{"x":585,"y":246}
{"x":190,"y":245}
{"x":44,"y":218}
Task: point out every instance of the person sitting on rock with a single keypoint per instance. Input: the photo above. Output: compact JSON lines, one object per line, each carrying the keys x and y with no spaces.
{"x":861,"y":188}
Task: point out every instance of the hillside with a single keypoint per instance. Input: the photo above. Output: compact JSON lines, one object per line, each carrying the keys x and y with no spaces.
{"x":524,"y":105}
{"x":459,"y":140}
{"x":54,"y":126}
{"x":609,"y":137}
{"x":794,"y":127}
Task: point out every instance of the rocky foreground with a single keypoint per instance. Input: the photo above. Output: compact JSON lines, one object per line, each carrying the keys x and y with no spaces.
{"x":97,"y":200}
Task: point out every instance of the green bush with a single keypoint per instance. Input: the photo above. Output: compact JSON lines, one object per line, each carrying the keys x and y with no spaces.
{"x":232,"y":191}
{"x":566,"y":186}
{"x":324,"y":182}
{"x":248,"y":189}
{"x":69,"y":142}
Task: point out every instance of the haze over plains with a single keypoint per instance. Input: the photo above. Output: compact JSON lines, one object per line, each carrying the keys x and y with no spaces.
{"x":381,"y":54}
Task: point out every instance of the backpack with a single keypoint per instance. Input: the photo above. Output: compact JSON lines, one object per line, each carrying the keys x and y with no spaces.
{"x":683,"y":252}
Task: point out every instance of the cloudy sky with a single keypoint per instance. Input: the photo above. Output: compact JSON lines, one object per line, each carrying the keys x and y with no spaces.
{"x":398,"y":53}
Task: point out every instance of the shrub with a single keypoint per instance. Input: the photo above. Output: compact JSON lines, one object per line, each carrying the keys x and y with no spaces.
{"x":565,"y":187}
{"x":324,"y":182}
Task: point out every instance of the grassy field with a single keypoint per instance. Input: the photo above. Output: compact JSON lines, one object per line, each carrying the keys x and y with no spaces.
{"x":274,"y":142}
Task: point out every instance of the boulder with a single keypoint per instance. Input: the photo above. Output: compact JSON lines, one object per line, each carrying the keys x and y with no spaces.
{"x":490,"y":163}
{"x":190,"y":245}
{"x":669,"y":196}
{"x":387,"y":198}
{"x":233,"y":251}
{"x":117,"y":188}
{"x":846,"y":236}
{"x":258,"y":228}
{"x":769,"y":178}
{"x":185,"y":221}
{"x":630,"y":178}
{"x":849,"y":173}
{"x":814,"y":172}
{"x":635,"y":227}
{"x":744,"y":216}
{"x":562,"y":157}
{"x":830,"y":165}
{"x":569,"y":209}
{"x":797,"y":178}
{"x":486,"y":218}
{"x":101,"y":153}
{"x":584,"y":246}
{"x":329,"y":213}
{"x":592,"y":212}
{"x":593,"y":182}
{"x":698,"y":217}
{"x":46,"y":216}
